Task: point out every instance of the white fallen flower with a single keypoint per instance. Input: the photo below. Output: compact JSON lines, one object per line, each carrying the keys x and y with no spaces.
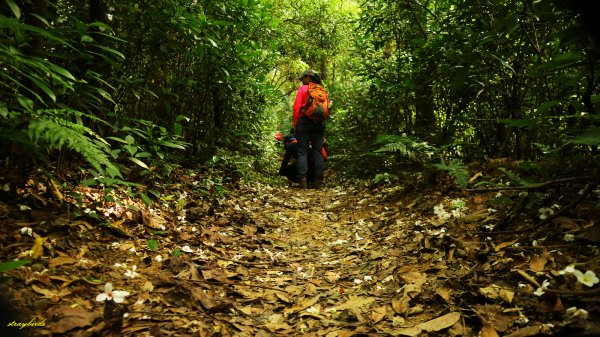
{"x":540,"y":291}
{"x":574,"y":312}
{"x":589,"y":278}
{"x":314,"y":310}
{"x":132,"y":273}
{"x":367,"y":278}
{"x":570,"y":269}
{"x":27,"y":231}
{"x":109,"y":294}
{"x":569,"y":237}
{"x":158,"y":258}
{"x":186,"y":249}
{"x":545,"y":213}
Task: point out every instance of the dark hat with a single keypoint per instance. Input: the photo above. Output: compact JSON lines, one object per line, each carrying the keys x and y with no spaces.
{"x":308,"y":72}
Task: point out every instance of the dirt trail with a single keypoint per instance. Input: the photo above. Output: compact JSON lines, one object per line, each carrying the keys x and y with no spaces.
{"x":277,"y":261}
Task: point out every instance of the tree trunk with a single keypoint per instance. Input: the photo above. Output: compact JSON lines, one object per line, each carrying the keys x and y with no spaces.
{"x":425,"y":121}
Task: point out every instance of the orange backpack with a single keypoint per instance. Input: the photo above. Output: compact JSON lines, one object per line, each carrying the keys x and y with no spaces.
{"x":317,"y":105}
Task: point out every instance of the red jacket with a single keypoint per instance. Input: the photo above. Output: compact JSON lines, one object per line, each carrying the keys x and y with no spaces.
{"x":301,"y":98}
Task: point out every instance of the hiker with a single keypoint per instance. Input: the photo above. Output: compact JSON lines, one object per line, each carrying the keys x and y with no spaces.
{"x":308,"y":131}
{"x":288,"y":164}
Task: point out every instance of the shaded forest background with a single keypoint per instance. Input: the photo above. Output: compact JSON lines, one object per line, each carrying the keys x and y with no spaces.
{"x":121,"y":91}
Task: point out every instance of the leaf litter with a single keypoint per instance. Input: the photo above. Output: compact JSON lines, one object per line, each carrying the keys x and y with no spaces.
{"x":265,"y":261}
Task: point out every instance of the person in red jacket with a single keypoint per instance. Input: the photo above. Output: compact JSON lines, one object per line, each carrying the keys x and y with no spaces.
{"x":308,"y":132}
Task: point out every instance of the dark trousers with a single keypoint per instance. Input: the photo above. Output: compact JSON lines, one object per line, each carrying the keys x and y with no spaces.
{"x":310,"y":133}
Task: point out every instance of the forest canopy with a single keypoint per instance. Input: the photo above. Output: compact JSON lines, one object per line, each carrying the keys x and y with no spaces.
{"x":157,"y":83}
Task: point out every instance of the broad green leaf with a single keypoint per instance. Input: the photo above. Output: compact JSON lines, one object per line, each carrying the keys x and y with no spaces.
{"x":10,"y":265}
{"x":139,"y":162}
{"x":86,"y":38}
{"x":212,"y":42}
{"x":173,"y":145}
{"x":62,"y":71}
{"x":14,"y":8}
{"x":110,"y":50}
{"x":152,"y":244}
{"x":45,"y":88}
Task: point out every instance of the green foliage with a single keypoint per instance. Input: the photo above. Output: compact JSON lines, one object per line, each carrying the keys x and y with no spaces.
{"x":384,"y":177}
{"x":152,"y":244}
{"x":589,"y":137}
{"x":144,"y":140}
{"x":515,"y":177}
{"x":405,"y":146}
{"x":10,"y":265}
{"x":51,"y":135}
{"x":456,"y":169}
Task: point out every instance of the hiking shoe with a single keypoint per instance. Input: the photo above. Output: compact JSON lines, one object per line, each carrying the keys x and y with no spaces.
{"x":317,"y":184}
{"x":302,"y":183}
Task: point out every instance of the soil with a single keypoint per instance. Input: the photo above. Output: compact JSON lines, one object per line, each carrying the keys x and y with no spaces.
{"x":257,"y":260}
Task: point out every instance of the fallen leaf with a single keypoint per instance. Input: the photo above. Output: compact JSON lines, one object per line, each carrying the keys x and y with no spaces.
{"x":538,"y":263}
{"x":356,"y":303}
{"x":440,"y":323}
{"x":504,"y":244}
{"x":401,"y":305}
{"x":38,"y":247}
{"x":411,"y":332}
{"x":378,"y":314}
{"x":489,"y":331}
{"x":495,"y":292}
{"x":60,"y":260}
{"x":444,"y":292}
{"x":303,"y":305}
{"x":63,"y":318}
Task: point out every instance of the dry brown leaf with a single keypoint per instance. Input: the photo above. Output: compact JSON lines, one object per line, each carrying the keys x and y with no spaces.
{"x":495,"y":292}
{"x":60,"y":260}
{"x":63,"y":318}
{"x":489,"y":331}
{"x":303,"y":305}
{"x":440,"y":323}
{"x":378,"y":314}
{"x":444,"y":292}
{"x":504,"y":245}
{"x":53,"y":296}
{"x":401,"y":305}
{"x":414,"y":283}
{"x":282,"y":296}
{"x":538,"y":263}
{"x":355,"y":302}
{"x":411,"y":332}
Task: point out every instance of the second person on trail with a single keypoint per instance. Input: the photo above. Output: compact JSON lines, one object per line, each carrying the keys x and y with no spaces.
{"x":310,"y":130}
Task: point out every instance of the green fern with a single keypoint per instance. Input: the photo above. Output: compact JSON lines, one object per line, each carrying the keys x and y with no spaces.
{"x":53,"y":135}
{"x":456,"y":169}
{"x":405,"y":146}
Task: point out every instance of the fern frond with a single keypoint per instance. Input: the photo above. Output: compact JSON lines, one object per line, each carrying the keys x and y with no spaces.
{"x":57,"y":136}
{"x":399,"y":148}
{"x":456,"y":169}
